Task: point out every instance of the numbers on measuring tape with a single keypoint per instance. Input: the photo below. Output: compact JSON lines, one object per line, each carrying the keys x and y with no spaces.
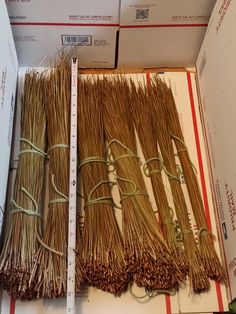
{"x":70,"y":300}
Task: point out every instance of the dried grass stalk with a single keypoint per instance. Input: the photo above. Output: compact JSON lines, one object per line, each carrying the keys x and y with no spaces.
{"x":79,"y":271}
{"x":103,"y":255}
{"x":49,"y":274}
{"x":198,"y":277}
{"x":23,"y":230}
{"x":148,"y":258}
{"x":153,"y":169}
{"x":208,"y":254}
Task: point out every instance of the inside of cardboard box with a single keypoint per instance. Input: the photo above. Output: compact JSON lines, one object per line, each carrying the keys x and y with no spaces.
{"x":91,"y":300}
{"x":137,"y":299}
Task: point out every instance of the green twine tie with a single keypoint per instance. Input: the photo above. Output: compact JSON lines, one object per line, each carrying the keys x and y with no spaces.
{"x":129,"y":154}
{"x":148,"y":172}
{"x":134,"y":188}
{"x":19,"y":209}
{"x":34,"y":150}
{"x":58,"y":146}
{"x":99,"y":200}
{"x":91,"y":159}
{"x":64,"y":198}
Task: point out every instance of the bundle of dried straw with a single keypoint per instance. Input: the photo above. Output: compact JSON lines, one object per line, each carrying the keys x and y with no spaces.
{"x":103,"y":255}
{"x":23,"y":229}
{"x":206,"y":246}
{"x":198,"y":277}
{"x":153,"y":169}
{"x":49,"y":272}
{"x":148,"y":258}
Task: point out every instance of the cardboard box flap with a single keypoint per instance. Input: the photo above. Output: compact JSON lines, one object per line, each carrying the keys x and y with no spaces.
{"x":8,"y":76}
{"x":83,"y":24}
{"x":162,"y":33}
{"x":70,"y":11}
{"x":159,"y":12}
{"x":215,"y":66}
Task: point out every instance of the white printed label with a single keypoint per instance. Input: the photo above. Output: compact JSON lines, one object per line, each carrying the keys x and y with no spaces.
{"x":77,"y":40}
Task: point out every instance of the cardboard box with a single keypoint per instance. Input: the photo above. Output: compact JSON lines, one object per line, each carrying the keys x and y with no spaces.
{"x":162,"y":33}
{"x":8,"y":76}
{"x":70,"y":11}
{"x":185,"y":93}
{"x":39,"y":33}
{"x":96,"y":45}
{"x":215,"y":68}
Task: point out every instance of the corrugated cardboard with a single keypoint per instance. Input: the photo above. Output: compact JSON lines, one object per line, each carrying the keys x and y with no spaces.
{"x":70,"y":11}
{"x":38,"y":45}
{"x":8,"y":76}
{"x":162,"y":32}
{"x":42,"y":28}
{"x":216,"y":66}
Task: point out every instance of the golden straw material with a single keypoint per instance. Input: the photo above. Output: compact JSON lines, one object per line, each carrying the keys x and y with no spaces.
{"x":103,"y":252}
{"x":153,"y":169}
{"x":49,"y":275}
{"x":148,"y":258}
{"x":198,"y":277}
{"x":208,"y":254}
{"x":23,"y":229}
{"x":79,"y":272}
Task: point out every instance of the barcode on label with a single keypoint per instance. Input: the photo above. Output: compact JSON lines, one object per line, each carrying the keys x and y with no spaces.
{"x":142,"y":14}
{"x":202,"y":64}
{"x":77,"y":40}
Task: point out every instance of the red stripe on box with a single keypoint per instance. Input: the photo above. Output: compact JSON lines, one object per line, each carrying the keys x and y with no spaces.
{"x":163,"y":25}
{"x":61,"y":24}
{"x":168,"y":305}
{"x":12,"y":305}
{"x":202,"y":176}
{"x":219,"y":297}
{"x":148,"y":80}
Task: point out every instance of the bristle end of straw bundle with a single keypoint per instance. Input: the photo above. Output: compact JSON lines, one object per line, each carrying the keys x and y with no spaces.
{"x":157,"y":272}
{"x":177,"y":251}
{"x":107,"y":278}
{"x":199,"y":280}
{"x":210,"y":259}
{"x":181,"y":261}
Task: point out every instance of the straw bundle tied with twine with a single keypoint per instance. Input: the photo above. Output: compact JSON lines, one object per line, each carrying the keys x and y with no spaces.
{"x":153,"y":169}
{"x":23,"y":229}
{"x":148,"y":258}
{"x":103,"y":255}
{"x":49,"y":273}
{"x":198,"y":277}
{"x":206,"y":246}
